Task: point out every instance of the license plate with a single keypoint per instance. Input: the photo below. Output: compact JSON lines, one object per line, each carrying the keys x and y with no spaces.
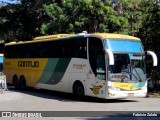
{"x":130,"y":94}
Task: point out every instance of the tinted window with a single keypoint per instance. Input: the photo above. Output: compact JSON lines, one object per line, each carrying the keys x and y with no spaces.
{"x":75,"y":47}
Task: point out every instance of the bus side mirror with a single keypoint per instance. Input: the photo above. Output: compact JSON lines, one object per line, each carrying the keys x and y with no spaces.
{"x":111,"y":57}
{"x":154,"y":57}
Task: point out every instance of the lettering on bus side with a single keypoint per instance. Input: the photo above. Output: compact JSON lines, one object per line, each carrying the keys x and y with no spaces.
{"x":28,"y":63}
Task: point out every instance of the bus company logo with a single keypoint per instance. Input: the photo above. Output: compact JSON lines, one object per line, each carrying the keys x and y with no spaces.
{"x":28,"y":63}
{"x":96,"y":89}
{"x":79,"y":66}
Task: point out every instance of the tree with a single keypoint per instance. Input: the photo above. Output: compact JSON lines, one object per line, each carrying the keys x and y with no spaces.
{"x":22,"y":21}
{"x":76,"y":16}
{"x":133,"y":10}
{"x":149,"y":33}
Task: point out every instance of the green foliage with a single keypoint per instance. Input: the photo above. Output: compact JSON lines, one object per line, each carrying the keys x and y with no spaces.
{"x":22,"y":21}
{"x":149,"y":33}
{"x":77,"y":16}
{"x":133,"y":11}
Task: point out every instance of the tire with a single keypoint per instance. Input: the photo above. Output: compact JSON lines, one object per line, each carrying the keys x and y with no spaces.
{"x":16,"y":82}
{"x":22,"y":83}
{"x":78,"y":89}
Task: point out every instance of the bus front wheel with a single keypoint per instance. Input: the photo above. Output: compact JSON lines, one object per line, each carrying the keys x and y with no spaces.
{"x":78,"y":89}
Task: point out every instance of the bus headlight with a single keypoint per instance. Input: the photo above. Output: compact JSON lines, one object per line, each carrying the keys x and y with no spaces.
{"x":144,"y":88}
{"x":114,"y":88}
{"x":117,"y":89}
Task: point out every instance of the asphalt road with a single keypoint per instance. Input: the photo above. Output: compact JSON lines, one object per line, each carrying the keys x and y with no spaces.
{"x":66,"y":106}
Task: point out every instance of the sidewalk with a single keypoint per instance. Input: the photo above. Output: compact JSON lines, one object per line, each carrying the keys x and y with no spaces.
{"x":9,"y":96}
{"x":155,"y":94}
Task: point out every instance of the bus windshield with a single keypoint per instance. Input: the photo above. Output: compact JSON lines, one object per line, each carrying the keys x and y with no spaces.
{"x":128,"y":60}
{"x":118,"y":45}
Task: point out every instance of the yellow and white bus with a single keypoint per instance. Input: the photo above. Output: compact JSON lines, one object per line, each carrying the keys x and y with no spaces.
{"x":102,"y":65}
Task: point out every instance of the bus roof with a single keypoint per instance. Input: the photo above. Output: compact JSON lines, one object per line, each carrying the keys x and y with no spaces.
{"x":116,"y":36}
{"x":61,"y":36}
{"x":52,"y":36}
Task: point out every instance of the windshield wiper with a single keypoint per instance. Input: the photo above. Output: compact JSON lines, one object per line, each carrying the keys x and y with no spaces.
{"x":130,"y":73}
{"x":140,"y":80}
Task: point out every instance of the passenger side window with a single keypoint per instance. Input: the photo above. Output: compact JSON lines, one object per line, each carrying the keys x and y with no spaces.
{"x":68,"y":48}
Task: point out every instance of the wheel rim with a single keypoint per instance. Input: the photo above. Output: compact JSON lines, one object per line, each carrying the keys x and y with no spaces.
{"x":80,"y":90}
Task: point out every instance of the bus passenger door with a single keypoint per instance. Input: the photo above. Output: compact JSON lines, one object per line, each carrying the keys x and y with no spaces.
{"x":101,"y":75}
{"x":96,"y":84}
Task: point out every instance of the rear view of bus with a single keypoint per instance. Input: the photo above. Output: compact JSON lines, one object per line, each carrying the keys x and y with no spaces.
{"x":126,"y":71}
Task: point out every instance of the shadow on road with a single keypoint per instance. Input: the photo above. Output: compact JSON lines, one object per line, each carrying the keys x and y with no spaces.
{"x":48,"y":94}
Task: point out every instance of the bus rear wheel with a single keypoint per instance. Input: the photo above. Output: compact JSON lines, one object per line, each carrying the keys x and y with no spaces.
{"x":16,"y":82}
{"x":78,"y":89}
{"x":22,"y":83}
